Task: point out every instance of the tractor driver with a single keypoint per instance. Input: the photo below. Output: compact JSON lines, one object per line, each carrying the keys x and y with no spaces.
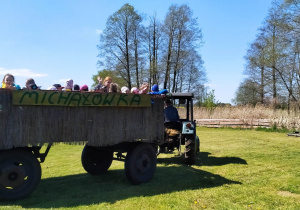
{"x":171,"y":116}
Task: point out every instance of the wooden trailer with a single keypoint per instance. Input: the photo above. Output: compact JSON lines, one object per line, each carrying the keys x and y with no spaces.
{"x":107,"y":123}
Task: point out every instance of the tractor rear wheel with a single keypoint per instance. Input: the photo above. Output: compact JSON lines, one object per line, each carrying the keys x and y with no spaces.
{"x":190,"y":153}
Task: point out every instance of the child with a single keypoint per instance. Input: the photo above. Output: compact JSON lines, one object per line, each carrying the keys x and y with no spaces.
{"x":113,"y":88}
{"x":8,"y":82}
{"x":56,"y":87}
{"x":154,"y":90}
{"x":135,"y":90}
{"x":76,"y":87}
{"x":144,"y":88}
{"x":84,"y":88}
{"x":106,"y":84}
{"x":125,"y":89}
{"x":69,"y":85}
{"x":30,"y":84}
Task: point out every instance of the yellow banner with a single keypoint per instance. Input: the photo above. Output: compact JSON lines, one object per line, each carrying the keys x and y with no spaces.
{"x":59,"y":98}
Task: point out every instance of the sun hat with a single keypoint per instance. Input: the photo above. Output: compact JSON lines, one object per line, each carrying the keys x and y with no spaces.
{"x":58,"y":86}
{"x":76,"y":87}
{"x":124,"y":89}
{"x":135,"y":90}
{"x":69,"y":84}
{"x":155,"y":88}
{"x":84,"y":87}
{"x":52,"y":88}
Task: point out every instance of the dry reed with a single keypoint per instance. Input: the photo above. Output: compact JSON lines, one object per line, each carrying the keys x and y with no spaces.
{"x":280,"y":118}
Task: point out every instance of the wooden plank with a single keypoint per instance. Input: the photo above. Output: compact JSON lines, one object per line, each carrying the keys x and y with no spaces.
{"x":234,"y":122}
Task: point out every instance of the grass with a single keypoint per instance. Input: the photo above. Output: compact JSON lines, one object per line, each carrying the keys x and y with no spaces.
{"x":236,"y":169}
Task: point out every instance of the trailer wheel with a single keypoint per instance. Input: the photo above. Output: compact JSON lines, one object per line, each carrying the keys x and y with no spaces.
{"x":20,"y":174}
{"x":96,"y":161}
{"x":190,"y":153}
{"x":140,"y":164}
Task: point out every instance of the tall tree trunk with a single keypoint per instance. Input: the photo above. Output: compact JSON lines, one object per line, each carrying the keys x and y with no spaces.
{"x":168,"y":69}
{"x":136,"y":57}
{"x":262,"y":80}
{"x":274,"y":88}
{"x":127,"y":59}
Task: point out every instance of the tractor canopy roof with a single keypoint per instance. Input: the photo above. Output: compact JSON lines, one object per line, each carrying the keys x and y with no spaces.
{"x":182,"y":95}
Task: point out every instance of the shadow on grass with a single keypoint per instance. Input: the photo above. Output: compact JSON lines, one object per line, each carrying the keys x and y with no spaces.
{"x":207,"y":160}
{"x":85,"y":189}
{"x":203,"y":159}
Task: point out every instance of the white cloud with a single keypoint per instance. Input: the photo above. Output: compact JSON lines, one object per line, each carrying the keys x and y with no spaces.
{"x":26,"y":73}
{"x":98,"y":31}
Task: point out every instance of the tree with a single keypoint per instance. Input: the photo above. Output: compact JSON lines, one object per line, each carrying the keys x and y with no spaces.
{"x":182,"y":38}
{"x":119,"y":43}
{"x":256,"y":64}
{"x":170,"y":50}
{"x":210,"y":100}
{"x":273,"y":58}
{"x":104,"y":73}
{"x":153,"y":37}
{"x":247,"y":93}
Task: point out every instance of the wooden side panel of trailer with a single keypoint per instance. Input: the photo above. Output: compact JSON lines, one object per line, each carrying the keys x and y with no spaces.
{"x":25,"y":125}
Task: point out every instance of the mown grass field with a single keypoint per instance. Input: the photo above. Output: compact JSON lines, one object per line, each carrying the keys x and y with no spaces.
{"x":236,"y":169}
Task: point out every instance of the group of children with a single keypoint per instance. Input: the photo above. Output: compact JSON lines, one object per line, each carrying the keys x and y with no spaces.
{"x":105,"y":86}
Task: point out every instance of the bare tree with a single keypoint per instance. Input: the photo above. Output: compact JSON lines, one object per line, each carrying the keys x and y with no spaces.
{"x":183,"y":37}
{"x":153,"y":36}
{"x":119,"y":43}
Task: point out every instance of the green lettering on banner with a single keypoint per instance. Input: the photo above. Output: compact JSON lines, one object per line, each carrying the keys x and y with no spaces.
{"x":57,"y":98}
{"x":44,"y":97}
{"x":75,"y":99}
{"x":50,"y":97}
{"x":85,"y":97}
{"x":136,"y":99}
{"x":29,"y":94}
{"x":122,"y":98}
{"x":107,"y":101}
{"x":95,"y":98}
{"x":62,"y":97}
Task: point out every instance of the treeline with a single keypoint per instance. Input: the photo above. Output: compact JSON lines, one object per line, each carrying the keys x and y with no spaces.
{"x":137,"y":48}
{"x":273,"y":59}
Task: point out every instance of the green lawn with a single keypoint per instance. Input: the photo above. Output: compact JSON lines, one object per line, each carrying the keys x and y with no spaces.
{"x":236,"y":169}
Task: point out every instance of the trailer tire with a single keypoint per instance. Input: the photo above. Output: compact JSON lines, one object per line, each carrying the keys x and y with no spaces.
{"x":20,"y":174}
{"x":190,"y":153}
{"x":96,"y":161}
{"x":140,"y":163}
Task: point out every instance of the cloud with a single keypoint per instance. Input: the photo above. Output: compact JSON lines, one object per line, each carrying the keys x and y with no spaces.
{"x":98,"y":31}
{"x":21,"y":73}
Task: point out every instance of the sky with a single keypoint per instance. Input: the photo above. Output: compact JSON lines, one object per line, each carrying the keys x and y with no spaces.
{"x":55,"y":40}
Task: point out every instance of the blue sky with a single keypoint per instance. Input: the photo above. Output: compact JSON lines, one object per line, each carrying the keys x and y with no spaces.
{"x":54,"y":40}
